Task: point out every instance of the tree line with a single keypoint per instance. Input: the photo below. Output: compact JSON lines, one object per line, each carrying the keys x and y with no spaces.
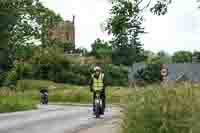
{"x":25,"y":22}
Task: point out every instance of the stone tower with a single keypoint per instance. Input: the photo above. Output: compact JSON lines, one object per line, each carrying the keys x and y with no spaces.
{"x":63,"y":32}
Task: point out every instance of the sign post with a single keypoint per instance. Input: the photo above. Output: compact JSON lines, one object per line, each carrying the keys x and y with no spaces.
{"x":163,"y":72}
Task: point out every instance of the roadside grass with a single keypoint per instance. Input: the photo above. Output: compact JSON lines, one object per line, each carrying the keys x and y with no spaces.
{"x":26,"y":95}
{"x":163,"y":109}
{"x":70,"y":93}
{"x":15,"y":103}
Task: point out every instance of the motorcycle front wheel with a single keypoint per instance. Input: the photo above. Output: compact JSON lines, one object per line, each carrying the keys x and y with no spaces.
{"x":97,"y":111}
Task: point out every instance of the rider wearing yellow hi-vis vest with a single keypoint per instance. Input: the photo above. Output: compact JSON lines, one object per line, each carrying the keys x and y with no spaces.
{"x":97,"y":83}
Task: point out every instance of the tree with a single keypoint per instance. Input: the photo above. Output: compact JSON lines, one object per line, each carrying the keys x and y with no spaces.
{"x":164,"y":57}
{"x":161,"y":7}
{"x":23,"y":22}
{"x":182,"y":57}
{"x":8,"y":17}
{"x":24,"y":52}
{"x":45,"y":18}
{"x":196,"y":57}
{"x":125,"y":24}
{"x":81,"y":50}
{"x":101,"y":49}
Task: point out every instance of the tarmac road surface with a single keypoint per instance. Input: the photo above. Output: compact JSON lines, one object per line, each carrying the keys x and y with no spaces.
{"x":55,"y":119}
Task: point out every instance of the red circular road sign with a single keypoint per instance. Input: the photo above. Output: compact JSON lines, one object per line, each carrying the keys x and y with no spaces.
{"x":164,"y":72}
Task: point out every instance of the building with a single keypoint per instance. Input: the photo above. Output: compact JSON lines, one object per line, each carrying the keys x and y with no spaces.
{"x":63,"y":32}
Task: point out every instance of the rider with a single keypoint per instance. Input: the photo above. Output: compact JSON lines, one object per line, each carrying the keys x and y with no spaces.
{"x":97,"y":82}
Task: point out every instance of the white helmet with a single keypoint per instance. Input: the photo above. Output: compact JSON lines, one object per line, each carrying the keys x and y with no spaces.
{"x":97,"y":68}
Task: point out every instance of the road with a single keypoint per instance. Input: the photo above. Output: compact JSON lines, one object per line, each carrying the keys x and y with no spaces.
{"x":57,"y":119}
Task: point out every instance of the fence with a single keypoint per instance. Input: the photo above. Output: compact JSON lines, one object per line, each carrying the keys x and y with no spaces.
{"x":188,"y":71}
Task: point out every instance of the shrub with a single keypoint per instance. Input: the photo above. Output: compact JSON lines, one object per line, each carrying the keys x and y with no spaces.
{"x":33,"y":84}
{"x":117,"y":76}
{"x":149,"y":74}
{"x":2,"y":78}
{"x":20,"y":71}
{"x":11,"y":78}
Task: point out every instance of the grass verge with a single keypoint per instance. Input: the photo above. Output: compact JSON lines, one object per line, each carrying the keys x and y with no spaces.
{"x":164,"y":110}
{"x":27,"y":95}
{"x":15,"y":103}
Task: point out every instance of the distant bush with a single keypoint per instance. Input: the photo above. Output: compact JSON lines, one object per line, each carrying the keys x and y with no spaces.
{"x":58,"y":68}
{"x":149,"y":74}
{"x":116,"y":75}
{"x":24,"y":85}
{"x":20,"y":71}
{"x":2,"y":78}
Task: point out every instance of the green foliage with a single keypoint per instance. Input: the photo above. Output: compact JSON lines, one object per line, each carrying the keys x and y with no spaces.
{"x":77,"y":74}
{"x":101,"y":49}
{"x":8,"y":17}
{"x":182,"y":57}
{"x":49,"y":55}
{"x":11,"y":78}
{"x":160,"y":58}
{"x":196,"y":57}
{"x":29,"y":85}
{"x":20,"y":71}
{"x":24,"y":52}
{"x":72,"y":74}
{"x":22,"y":22}
{"x":163,"y":110}
{"x":165,"y":58}
{"x":82,"y":51}
{"x":2,"y":78}
{"x":69,"y":47}
{"x":149,"y":74}
{"x":161,"y":7}
{"x":68,"y":93}
{"x":125,"y":24}
{"x":116,"y":76}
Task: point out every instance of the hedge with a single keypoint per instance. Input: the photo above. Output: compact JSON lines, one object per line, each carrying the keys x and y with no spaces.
{"x":75,"y":74}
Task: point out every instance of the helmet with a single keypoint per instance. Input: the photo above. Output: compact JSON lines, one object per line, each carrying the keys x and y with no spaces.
{"x":97,"y":68}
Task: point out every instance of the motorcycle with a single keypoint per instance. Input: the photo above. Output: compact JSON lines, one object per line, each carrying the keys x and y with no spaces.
{"x":98,"y":104}
{"x":44,"y":98}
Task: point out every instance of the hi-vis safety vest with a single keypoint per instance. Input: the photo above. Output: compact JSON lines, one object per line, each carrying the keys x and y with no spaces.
{"x":98,"y":83}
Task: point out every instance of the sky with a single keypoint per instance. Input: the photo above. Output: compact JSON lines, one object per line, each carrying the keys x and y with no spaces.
{"x":179,"y":29}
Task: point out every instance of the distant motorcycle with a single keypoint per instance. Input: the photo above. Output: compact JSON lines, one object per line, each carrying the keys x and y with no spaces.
{"x":98,"y":104}
{"x":44,"y":96}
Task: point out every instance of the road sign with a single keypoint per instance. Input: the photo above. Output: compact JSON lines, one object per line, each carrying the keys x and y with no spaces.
{"x":164,"y":72}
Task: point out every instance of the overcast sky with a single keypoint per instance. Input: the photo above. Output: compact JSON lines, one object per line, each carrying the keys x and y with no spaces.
{"x":178,"y":30}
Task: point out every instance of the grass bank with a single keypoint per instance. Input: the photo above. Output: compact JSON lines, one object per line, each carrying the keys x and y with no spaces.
{"x":170,"y":109}
{"x":26,"y":95}
{"x":16,"y":103}
{"x":70,"y":93}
